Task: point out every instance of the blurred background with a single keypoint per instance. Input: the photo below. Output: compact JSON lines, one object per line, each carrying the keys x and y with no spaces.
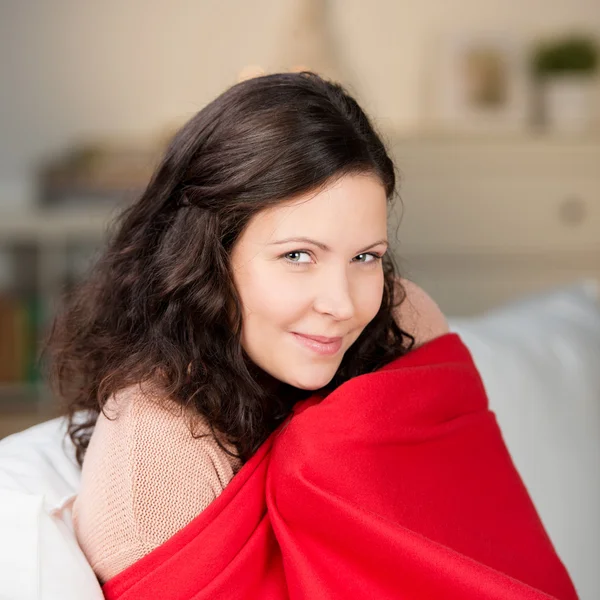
{"x":491,"y":109}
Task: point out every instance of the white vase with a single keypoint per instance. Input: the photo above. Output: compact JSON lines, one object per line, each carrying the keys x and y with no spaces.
{"x":568,"y":103}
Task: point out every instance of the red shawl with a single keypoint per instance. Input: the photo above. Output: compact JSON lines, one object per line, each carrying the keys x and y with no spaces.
{"x":396,"y":485}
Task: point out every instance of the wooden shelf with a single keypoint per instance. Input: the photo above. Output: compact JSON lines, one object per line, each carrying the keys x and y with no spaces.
{"x":55,"y":225}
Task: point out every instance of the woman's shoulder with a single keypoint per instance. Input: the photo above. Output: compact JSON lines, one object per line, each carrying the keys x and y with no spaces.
{"x":174,"y":472}
{"x":145,"y":476}
{"x":164,"y":435}
{"x":164,"y":442}
{"x":419,"y":314}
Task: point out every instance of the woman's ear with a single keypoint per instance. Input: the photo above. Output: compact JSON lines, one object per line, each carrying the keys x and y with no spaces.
{"x":419,"y":315}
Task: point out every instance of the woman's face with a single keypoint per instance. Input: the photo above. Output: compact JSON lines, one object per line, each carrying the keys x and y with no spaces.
{"x":327,"y":285}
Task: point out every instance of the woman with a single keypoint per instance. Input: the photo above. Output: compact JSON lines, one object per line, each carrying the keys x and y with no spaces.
{"x":253,"y":271}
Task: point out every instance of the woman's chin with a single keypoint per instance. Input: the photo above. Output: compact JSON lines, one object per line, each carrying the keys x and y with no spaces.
{"x":311,"y":382}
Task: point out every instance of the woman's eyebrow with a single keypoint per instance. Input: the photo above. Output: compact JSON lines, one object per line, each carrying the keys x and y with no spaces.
{"x":322,"y":246}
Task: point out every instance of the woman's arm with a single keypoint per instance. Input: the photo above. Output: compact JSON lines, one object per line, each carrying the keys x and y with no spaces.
{"x":419,"y":315}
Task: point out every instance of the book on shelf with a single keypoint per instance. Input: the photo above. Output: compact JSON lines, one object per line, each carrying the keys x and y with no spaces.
{"x":20,"y":329}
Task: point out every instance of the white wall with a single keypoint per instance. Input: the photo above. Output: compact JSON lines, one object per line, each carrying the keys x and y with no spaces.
{"x":70,"y":68}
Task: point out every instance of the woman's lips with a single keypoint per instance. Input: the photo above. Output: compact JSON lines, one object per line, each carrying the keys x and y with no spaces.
{"x":319,"y":344}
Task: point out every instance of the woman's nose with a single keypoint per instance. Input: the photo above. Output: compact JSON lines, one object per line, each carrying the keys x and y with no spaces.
{"x":334,"y":297}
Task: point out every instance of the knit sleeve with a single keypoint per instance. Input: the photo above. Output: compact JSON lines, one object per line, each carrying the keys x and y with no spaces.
{"x":173,"y":475}
{"x":144,"y":478}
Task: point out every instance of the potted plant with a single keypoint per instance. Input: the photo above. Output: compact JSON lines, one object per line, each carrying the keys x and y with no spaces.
{"x":565,"y":70}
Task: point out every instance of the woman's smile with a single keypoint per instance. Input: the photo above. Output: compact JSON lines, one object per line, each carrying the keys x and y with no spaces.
{"x":318,"y":344}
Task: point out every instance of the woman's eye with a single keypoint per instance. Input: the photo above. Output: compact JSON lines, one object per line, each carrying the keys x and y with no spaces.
{"x":296,"y":257}
{"x":368,"y":257}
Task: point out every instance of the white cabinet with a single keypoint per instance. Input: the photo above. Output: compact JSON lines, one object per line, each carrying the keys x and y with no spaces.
{"x":485,"y":220}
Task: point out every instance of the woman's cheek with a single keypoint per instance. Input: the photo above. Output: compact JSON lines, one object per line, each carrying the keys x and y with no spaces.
{"x":280,"y":293}
{"x":373,"y":297}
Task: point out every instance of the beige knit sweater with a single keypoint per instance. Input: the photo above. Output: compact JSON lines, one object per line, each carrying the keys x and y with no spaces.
{"x":144,"y":478}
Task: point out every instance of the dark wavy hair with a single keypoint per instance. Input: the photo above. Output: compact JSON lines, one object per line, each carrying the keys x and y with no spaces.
{"x":160,"y":304}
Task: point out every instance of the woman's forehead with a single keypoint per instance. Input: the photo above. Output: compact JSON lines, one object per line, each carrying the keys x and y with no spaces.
{"x":353,"y":203}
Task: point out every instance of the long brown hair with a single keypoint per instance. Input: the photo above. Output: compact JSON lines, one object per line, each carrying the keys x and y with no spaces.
{"x":160,"y":303}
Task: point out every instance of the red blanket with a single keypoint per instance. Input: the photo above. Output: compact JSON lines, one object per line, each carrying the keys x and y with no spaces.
{"x":396,"y":485}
